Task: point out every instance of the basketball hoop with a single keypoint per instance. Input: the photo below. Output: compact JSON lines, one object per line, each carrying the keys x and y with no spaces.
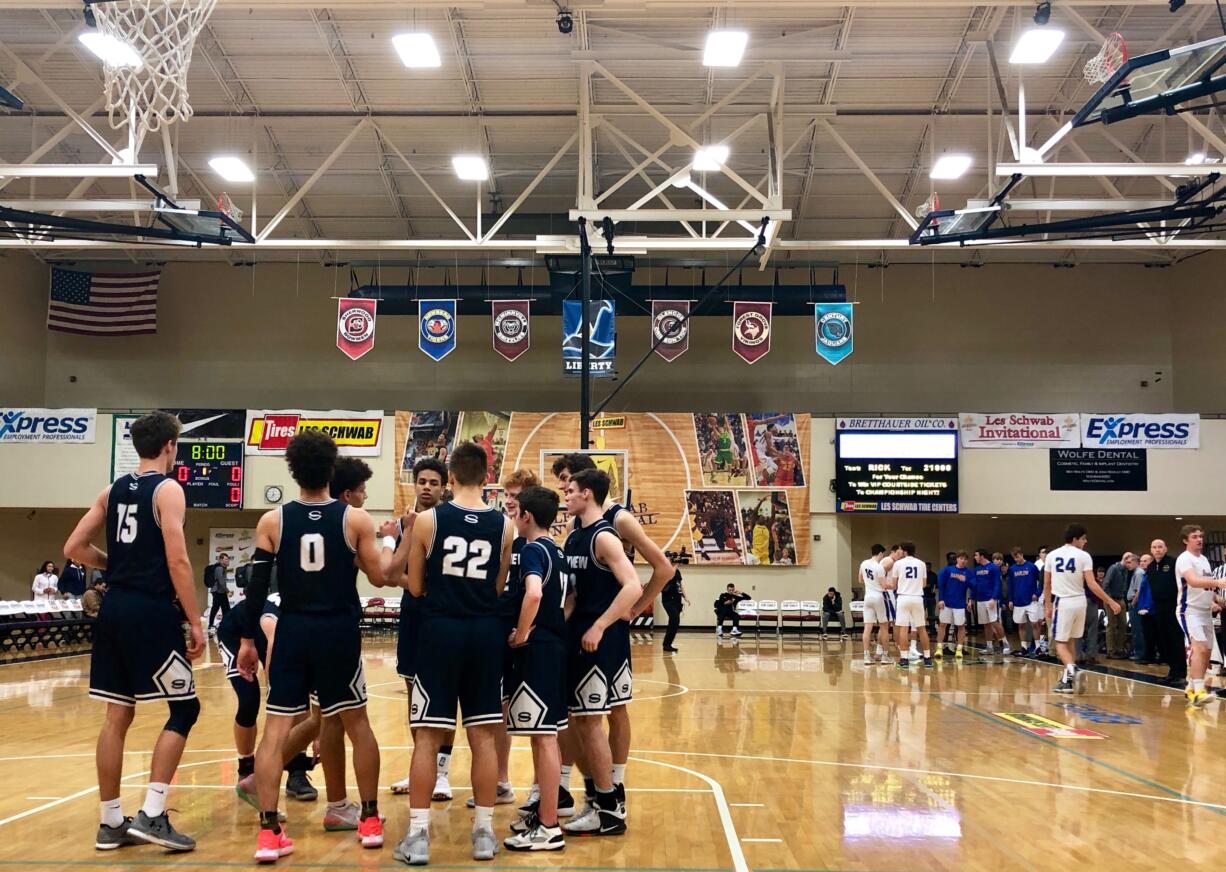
{"x":1110,"y":58}
{"x":163,"y":33}
{"x":931,"y":204}
{"x":226,"y":206}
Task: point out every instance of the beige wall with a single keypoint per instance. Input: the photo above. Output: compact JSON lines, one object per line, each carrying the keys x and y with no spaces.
{"x":24,"y":284}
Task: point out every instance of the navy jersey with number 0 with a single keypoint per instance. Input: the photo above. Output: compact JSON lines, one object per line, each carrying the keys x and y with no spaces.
{"x":595,"y":585}
{"x":135,"y":549}
{"x":544,"y":559}
{"x":463,"y":562}
{"x":316,"y":573}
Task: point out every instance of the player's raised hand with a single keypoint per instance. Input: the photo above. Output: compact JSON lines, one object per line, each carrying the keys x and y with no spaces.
{"x":407,"y":520}
{"x":389,"y":528}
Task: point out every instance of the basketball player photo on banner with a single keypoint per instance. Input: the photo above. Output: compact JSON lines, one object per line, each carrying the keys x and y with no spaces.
{"x":767,"y":521}
{"x":489,"y":430}
{"x":602,"y":334}
{"x":833,"y":327}
{"x":670,"y":328}
{"x":723,"y":452}
{"x":436,"y":335}
{"x":751,"y":330}
{"x":355,"y":326}
{"x":422,"y":435}
{"x":774,"y":446}
{"x":714,"y":528}
{"x":511,"y":327}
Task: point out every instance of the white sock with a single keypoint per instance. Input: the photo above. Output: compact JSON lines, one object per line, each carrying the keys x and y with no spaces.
{"x":444,"y":764}
{"x":155,"y":799}
{"x":504,"y":786}
{"x":419,"y":819}
{"x":880,"y":651}
{"x":112,"y":812}
{"x":1198,"y":684}
{"x":927,"y":655}
{"x":619,"y":771}
{"x":339,"y":804}
{"x":1070,"y":671}
{"x":484,"y":818}
{"x":566,"y":767}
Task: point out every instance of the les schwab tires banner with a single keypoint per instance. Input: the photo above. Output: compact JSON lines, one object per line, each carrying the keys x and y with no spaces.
{"x":357,"y":434}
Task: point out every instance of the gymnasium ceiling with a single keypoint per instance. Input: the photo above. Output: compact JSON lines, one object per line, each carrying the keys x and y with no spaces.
{"x":283,"y":83}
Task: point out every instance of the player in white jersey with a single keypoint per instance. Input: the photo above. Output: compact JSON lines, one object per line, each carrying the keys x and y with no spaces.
{"x":878,"y":605}
{"x":907,"y":576}
{"x":1196,"y":586}
{"x":1067,"y":572}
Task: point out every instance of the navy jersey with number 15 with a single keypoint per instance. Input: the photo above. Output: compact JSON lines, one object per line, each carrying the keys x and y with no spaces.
{"x":463,"y":562}
{"x":135,"y":549}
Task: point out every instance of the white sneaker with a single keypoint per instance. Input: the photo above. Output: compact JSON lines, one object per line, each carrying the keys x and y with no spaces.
{"x":719,"y":631}
{"x":534,"y":794}
{"x":413,"y":849}
{"x":442,"y":789}
{"x":505,"y":796}
{"x":401,"y":788}
{"x":736,"y":631}
{"x":539,"y":838}
{"x":586,"y":821}
{"x":485,"y":845}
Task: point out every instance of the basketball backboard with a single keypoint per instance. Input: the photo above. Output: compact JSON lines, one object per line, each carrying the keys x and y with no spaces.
{"x":9,"y":100}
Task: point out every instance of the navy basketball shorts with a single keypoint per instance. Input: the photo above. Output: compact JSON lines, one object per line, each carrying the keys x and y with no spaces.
{"x":600,"y":680}
{"x":459,"y":661}
{"x":537,"y":688}
{"x":508,"y":658}
{"x":139,"y":653}
{"x":406,"y":639}
{"x":321,"y":653}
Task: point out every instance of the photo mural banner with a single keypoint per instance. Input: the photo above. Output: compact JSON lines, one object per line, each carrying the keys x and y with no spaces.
{"x":713,"y":487}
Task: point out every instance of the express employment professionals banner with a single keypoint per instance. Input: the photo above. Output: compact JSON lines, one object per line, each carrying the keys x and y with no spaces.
{"x":47,"y":425}
{"x":1019,"y":430}
{"x":357,"y":434}
{"x":1139,"y":431}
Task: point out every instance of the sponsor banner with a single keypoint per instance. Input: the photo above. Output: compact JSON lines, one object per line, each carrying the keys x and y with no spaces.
{"x":1139,"y":431}
{"x":1019,"y":430}
{"x":602,"y":338}
{"x":670,"y":328}
{"x":1098,"y":469}
{"x":832,"y":326}
{"x":357,"y":434}
{"x":896,"y":424}
{"x":512,"y":336}
{"x":124,"y":458}
{"x":608,"y":422}
{"x":436,"y":334}
{"x":1041,"y":726}
{"x":751,"y":330}
{"x":47,"y":425}
{"x":355,"y":326}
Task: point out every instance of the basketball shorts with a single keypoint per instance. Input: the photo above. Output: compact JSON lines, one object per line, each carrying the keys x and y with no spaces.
{"x":139,"y":653}
{"x":988,"y":613}
{"x":1028,"y":614}
{"x":322,"y":653}
{"x":459,"y":662}
{"x":1068,"y":617}
{"x":724,"y":458}
{"x":599,"y":680}
{"x":878,"y":608}
{"x":406,"y":639}
{"x":537,"y":689}
{"x":910,"y":611}
{"x":950,"y":615}
{"x":508,"y":658}
{"x":1197,"y":625}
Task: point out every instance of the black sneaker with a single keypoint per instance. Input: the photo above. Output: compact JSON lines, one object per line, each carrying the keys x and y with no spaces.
{"x":928,"y":664}
{"x":110,"y":838}
{"x":526,"y":824}
{"x":1066,"y":685}
{"x":612,"y":823}
{"x":566,"y":803}
{"x":158,"y":831}
{"x":298,"y":786}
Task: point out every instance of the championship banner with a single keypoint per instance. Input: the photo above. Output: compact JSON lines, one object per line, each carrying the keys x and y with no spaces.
{"x":1140,"y":431}
{"x":602,"y":335}
{"x":670,"y":328}
{"x":47,"y":425}
{"x":1016,"y":430}
{"x":751,"y":330}
{"x":356,"y":434}
{"x":832,"y":324}
{"x":436,"y":335}
{"x":512,"y":333}
{"x":355,"y":326}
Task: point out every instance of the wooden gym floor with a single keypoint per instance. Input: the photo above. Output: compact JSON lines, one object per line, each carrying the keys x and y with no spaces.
{"x":754,"y":754}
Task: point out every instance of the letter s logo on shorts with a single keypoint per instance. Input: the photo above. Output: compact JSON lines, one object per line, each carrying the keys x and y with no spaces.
{"x":47,"y":425}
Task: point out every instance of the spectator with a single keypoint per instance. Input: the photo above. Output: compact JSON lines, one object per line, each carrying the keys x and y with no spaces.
{"x":219,"y":589}
{"x":1136,"y":620}
{"x":671,"y":597}
{"x":930,"y":598}
{"x":91,"y":602}
{"x":1167,"y":633}
{"x":725,"y":610}
{"x":832,"y":607}
{"x":1087,"y":646}
{"x":1116,"y":583}
{"x":45,"y":582}
{"x":72,"y":579}
{"x":785,"y":557}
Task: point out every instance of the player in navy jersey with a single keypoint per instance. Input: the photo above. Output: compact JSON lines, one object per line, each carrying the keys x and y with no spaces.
{"x":139,"y":652}
{"x":247,"y":692}
{"x":458,"y":558}
{"x":537,"y":689}
{"x":314,"y":541}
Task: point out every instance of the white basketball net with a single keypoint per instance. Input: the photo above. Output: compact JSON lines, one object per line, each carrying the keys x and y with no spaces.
{"x":163,"y":33}
{"x":933,"y":202}
{"x":1110,"y":58}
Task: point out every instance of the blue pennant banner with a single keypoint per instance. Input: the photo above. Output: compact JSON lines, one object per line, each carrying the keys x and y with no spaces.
{"x":835,"y":339}
{"x":437,"y":325}
{"x":603,"y":338}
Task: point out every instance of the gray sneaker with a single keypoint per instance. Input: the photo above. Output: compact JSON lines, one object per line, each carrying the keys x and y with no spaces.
{"x":110,"y":838}
{"x":298,"y":786}
{"x":539,"y":838}
{"x":505,"y":796}
{"x":413,"y":849}
{"x":485,"y":846}
{"x":1066,"y":685}
{"x":158,"y":831}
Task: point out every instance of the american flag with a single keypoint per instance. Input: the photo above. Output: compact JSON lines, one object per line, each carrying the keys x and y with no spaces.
{"x":102,"y":304}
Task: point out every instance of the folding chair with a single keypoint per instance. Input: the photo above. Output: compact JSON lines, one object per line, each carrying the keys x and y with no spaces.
{"x":746,"y":609}
{"x":812,"y":611}
{"x":789,"y":610}
{"x":770,"y":607}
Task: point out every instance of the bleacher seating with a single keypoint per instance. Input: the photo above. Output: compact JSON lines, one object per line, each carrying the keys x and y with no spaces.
{"x":32,"y":630}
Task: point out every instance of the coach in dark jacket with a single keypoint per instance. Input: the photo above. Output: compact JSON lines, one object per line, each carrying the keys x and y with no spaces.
{"x":671,"y":597}
{"x":1165,"y":592}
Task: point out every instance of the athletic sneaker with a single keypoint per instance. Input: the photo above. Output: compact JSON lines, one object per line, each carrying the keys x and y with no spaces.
{"x":1066,"y":685}
{"x":539,"y":838}
{"x":414,"y":848}
{"x":485,"y":845}
{"x":736,"y":631}
{"x":298,"y":786}
{"x":526,"y":824}
{"x":110,"y":838}
{"x":401,"y":787}
{"x":342,"y":817}
{"x":868,"y":659}
{"x":505,"y":796}
{"x":903,"y":664}
{"x":272,"y":845}
{"x":939,"y":652}
{"x":886,"y":661}
{"x":947,"y":649}
{"x":566,"y":806}
{"x":370,"y":832}
{"x":585,"y":823}
{"x":442,"y":789}
{"x":719,"y":631}
{"x":1019,"y":652}
{"x":245,"y":788}
{"x":958,"y":653}
{"x":928,"y":663}
{"x":158,"y":831}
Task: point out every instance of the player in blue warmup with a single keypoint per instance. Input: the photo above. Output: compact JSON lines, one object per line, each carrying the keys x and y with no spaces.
{"x":1026,"y":600}
{"x":952,"y":586}
{"x":986,"y":584}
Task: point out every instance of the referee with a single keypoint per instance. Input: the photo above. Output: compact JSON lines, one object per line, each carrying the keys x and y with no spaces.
{"x":671,"y":597}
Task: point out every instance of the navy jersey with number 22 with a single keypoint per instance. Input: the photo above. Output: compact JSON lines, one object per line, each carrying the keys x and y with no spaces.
{"x":463,"y":562}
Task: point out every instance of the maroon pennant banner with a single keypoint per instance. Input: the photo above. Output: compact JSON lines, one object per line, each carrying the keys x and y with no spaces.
{"x":355,"y":326}
{"x":512,"y":334}
{"x":751,"y":330}
{"x":670,"y":328}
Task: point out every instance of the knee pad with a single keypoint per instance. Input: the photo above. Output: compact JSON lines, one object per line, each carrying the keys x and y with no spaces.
{"x":248,"y":693}
{"x":183,"y":714}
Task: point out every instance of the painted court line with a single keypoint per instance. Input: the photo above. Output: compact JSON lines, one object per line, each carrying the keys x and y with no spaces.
{"x":761,"y":840}
{"x":747,"y":805}
{"x":739,"y":863}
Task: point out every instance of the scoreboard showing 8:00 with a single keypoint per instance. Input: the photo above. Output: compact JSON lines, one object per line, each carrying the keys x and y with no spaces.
{"x":896,"y":465}
{"x":211,"y":474}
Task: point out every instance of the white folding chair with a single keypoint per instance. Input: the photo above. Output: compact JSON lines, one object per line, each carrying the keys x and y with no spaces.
{"x":812,"y":612}
{"x":789,"y":610}
{"x":746,"y":609}
{"x":767,"y":607}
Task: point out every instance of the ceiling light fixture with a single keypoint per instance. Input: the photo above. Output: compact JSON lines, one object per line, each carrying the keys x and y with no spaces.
{"x":724,"y":48}
{"x":1195,"y":159}
{"x":1042,"y":13}
{"x":231,"y":168}
{"x":1036,"y":45}
{"x":417,"y":50}
{"x":711,"y":158}
{"x":471,"y":167}
{"x":113,"y":52}
{"x":1176,"y":5}
{"x":951,"y":166}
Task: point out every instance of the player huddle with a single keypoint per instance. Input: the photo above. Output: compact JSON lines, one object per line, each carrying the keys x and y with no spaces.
{"x":501,"y":630}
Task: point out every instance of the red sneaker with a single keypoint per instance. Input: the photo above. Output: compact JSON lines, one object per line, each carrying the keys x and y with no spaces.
{"x":273,"y":845}
{"x":370,"y":831}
